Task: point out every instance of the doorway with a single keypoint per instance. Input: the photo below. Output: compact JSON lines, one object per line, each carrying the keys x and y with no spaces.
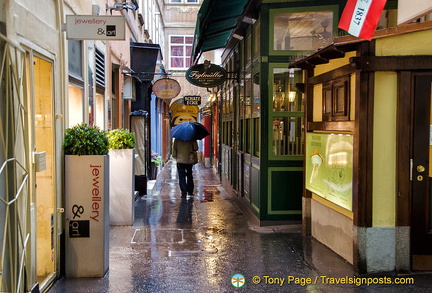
{"x":44,"y":195}
{"x":421,"y":174}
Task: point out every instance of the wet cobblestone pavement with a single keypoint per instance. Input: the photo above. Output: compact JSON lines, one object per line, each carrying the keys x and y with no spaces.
{"x":197,"y":244}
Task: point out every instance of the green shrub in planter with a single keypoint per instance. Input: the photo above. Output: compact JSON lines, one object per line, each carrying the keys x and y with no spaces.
{"x":156,"y":159}
{"x":120,"y":139}
{"x":83,"y":139}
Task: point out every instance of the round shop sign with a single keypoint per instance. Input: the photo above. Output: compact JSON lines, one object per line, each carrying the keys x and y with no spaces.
{"x":206,"y":75}
{"x":166,"y":88}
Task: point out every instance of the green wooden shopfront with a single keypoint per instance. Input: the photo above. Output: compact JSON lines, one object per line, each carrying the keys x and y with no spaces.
{"x":261,"y":118}
{"x":259,"y":115}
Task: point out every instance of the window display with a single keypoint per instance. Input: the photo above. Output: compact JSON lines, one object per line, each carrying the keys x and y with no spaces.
{"x":287,"y":108}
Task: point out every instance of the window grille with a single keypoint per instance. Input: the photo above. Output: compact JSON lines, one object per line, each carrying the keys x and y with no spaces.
{"x":100,"y":68}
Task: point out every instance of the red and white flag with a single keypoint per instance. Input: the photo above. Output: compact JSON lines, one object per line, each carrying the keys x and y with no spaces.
{"x":360,"y":17}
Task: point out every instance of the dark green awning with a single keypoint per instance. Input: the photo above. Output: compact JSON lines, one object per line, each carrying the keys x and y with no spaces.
{"x":215,"y":23}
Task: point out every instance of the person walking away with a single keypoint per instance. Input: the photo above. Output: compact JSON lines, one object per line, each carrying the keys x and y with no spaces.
{"x":185,"y":153}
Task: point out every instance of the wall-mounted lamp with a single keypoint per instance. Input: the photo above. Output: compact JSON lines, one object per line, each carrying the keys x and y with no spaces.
{"x":121,"y":6}
{"x":291,"y":97}
{"x":211,"y":96}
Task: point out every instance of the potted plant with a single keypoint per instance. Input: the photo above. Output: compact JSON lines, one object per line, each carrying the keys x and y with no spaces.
{"x":120,"y":139}
{"x":87,"y":201}
{"x":121,"y":144}
{"x":156,"y":161}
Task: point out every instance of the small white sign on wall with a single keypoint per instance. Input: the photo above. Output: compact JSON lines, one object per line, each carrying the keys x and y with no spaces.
{"x":95,"y":27}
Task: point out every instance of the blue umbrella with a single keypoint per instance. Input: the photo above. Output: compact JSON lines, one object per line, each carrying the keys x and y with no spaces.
{"x":189,"y":131}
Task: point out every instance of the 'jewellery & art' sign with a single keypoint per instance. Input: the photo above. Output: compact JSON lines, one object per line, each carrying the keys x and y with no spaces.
{"x":206,"y":75}
{"x":95,"y":27}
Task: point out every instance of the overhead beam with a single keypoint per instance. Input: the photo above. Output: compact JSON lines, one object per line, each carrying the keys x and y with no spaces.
{"x":391,"y":63}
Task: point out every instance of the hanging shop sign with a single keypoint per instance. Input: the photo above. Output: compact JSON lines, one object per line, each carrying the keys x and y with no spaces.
{"x":166,"y":88}
{"x":181,"y":113}
{"x":95,"y":27}
{"x":206,"y":75}
{"x":192,"y":100}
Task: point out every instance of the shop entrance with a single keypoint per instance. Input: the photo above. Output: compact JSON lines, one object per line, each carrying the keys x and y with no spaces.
{"x":44,"y":182}
{"x":421,"y":174}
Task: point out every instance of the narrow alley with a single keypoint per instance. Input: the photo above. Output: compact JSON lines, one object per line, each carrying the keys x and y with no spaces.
{"x":198,"y":244}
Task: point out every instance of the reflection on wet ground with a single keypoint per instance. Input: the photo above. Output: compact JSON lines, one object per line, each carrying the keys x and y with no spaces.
{"x":197,"y":244}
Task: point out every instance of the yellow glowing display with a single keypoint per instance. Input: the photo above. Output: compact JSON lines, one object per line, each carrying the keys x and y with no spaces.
{"x":329,"y":167}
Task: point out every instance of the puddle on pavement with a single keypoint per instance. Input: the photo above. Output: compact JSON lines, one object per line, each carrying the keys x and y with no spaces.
{"x":213,"y":229}
{"x":171,"y":181}
{"x":207,"y":194}
{"x":178,"y":250}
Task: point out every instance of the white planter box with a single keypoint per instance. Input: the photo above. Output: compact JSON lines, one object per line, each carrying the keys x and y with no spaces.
{"x":87,"y":215}
{"x":122,"y":186}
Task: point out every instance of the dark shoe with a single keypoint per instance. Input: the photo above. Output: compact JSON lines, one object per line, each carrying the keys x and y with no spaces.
{"x":183,"y":195}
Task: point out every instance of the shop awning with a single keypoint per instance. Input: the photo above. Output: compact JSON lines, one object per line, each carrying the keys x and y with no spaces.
{"x":215,"y":23}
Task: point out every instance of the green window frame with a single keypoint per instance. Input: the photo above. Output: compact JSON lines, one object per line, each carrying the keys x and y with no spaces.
{"x":311,"y":29}
{"x":256,"y":111}
{"x":286,"y":114}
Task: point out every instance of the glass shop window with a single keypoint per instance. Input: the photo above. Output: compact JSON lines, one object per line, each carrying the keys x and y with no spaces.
{"x":75,"y":56}
{"x":75,"y":104}
{"x":286,"y":95}
{"x":230,"y":132}
{"x":256,"y":107}
{"x":248,"y":136}
{"x":257,"y":136}
{"x":76,"y":83}
{"x":231,"y":104}
{"x":248,"y":95}
{"x":287,"y":113}
{"x":256,"y":38}
{"x":224,"y":106}
{"x":224,"y":132}
{"x":242,"y":108}
{"x":248,"y":49}
{"x":240,"y":135}
{"x":256,"y":113}
{"x":287,"y":136}
{"x":302,"y":31}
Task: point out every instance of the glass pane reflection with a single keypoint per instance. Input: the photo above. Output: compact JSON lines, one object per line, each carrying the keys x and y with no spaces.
{"x":303,"y":30}
{"x":287,"y":138}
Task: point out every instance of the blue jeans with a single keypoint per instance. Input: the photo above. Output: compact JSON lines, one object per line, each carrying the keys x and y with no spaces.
{"x":185,"y":178}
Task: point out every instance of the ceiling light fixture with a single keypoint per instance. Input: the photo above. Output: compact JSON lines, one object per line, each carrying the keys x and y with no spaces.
{"x":238,"y":37}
